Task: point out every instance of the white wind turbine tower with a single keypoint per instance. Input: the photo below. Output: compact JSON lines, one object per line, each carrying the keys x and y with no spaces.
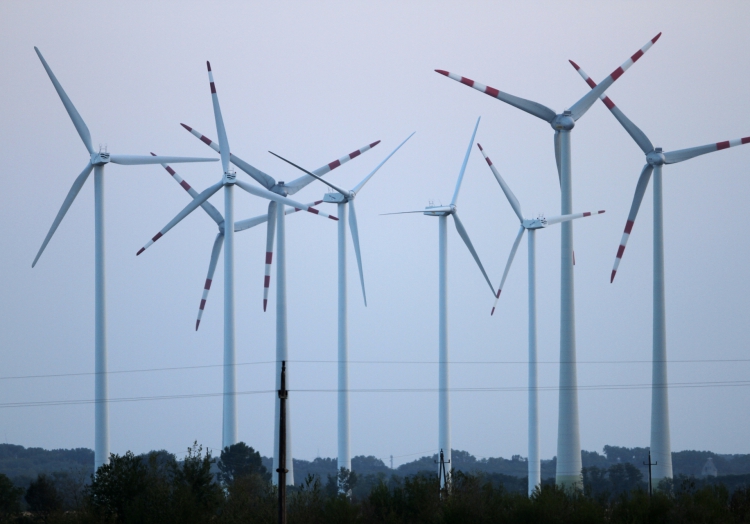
{"x":96,"y":163}
{"x":228,"y":181}
{"x":568,"y":435}
{"x":530,"y":225}
{"x":661,"y":447}
{"x":342,"y":197}
{"x":276,"y":225}
{"x":442,"y":212}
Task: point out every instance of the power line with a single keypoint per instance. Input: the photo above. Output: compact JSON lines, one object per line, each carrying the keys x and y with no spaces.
{"x":506,"y":389}
{"x":375,"y":362}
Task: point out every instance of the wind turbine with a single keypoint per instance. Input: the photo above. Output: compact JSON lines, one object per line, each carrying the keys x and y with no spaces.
{"x":96,"y":163}
{"x":443,"y":212}
{"x":276,"y":224}
{"x":342,"y":197}
{"x":216,"y":216}
{"x":530,"y":225}
{"x":228,"y":181}
{"x":661,"y":446}
{"x":568,"y":437}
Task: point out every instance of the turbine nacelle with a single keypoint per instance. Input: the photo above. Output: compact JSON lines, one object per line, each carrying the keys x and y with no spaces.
{"x":100,"y":158}
{"x":535,"y":223}
{"x":335,"y":198}
{"x":439,"y":211}
{"x":656,"y":157}
{"x":563,"y":122}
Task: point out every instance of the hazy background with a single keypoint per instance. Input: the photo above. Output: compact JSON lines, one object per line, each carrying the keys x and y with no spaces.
{"x":315,"y":81}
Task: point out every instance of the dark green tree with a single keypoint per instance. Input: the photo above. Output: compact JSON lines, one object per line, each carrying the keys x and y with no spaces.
{"x":10,"y":497}
{"x":240,"y":460}
{"x":42,"y":496}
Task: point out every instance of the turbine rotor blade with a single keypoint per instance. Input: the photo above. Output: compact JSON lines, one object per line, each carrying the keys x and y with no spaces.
{"x":192,"y":206}
{"x":299,"y":183}
{"x":220,"y":130}
{"x":640,"y":189}
{"x":633,"y":130}
{"x":463,"y":166}
{"x":579,"y":108}
{"x":368,"y":177}
{"x":336,"y":188}
{"x":512,"y":255}
{"x":533,"y":108}
{"x":263,"y":193}
{"x":355,"y":240}
{"x":215,"y":251}
{"x":242,"y":225}
{"x":567,"y":218}
{"x":442,"y":209}
{"x":465,"y":237}
{"x":207,"y":206}
{"x":506,"y":189}
{"x":270,"y":232}
{"x":263,"y":179}
{"x":140,"y":160}
{"x":558,"y":156}
{"x":72,"y":193}
{"x":83,"y":130}
{"x":681,"y":155}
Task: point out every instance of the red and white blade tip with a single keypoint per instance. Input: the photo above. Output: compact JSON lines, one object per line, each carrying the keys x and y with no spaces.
{"x":187,"y":127}
{"x":612,"y":278}
{"x":208,"y":64}
{"x":480,"y":146}
{"x":197,"y":323}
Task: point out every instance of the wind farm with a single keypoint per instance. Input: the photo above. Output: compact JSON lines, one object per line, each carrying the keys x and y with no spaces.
{"x":405,"y":357}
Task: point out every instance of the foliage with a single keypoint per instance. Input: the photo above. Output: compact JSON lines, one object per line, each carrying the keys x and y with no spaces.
{"x":240,"y":460}
{"x":42,"y":496}
{"x":10,"y":497}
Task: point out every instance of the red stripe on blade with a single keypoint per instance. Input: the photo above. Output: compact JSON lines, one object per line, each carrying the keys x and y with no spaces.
{"x":617,"y":73}
{"x":468,"y":81}
{"x":442,"y":72}
{"x":587,"y":214}
{"x":203,"y":304}
{"x":489,"y":162}
{"x":208,"y":284}
{"x":620,"y":251}
{"x":612,"y":278}
{"x":334,"y":164}
{"x":186,"y":127}
{"x":629,"y":226}
{"x":140,"y":251}
{"x":206,"y":140}
{"x":491,"y":91}
{"x":746,"y":140}
{"x":170,"y":170}
{"x":269,"y":257}
{"x":157,"y":237}
{"x":608,"y":103}
{"x":213,"y":88}
{"x":722,"y":145}
{"x":637,"y":55}
{"x":354,"y":154}
{"x":185,"y":185}
{"x":375,"y":143}
{"x":267,"y":281}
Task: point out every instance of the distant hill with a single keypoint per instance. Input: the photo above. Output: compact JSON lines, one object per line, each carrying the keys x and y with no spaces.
{"x":24,"y":464}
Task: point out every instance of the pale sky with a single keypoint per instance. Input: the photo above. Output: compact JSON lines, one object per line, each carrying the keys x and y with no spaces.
{"x":314,"y":81}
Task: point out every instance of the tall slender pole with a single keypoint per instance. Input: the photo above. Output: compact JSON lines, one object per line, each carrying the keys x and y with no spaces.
{"x":444,"y":412}
{"x":568,"y":437}
{"x":229,"y":427}
{"x":101,"y":413}
{"x":283,"y":395}
{"x":650,"y":485}
{"x":534,"y":463}
{"x":344,"y":458}
{"x":282,"y":350}
{"x":660,"y":440}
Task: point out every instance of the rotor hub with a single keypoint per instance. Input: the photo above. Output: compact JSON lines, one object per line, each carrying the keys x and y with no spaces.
{"x":563,"y":122}
{"x":656,"y":157}
{"x":280,"y":188}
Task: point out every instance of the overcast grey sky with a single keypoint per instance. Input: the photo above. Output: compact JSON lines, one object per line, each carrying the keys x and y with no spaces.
{"x":314,"y":81}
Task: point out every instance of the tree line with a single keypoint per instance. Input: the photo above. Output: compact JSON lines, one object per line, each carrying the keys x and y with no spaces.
{"x":236,"y":487}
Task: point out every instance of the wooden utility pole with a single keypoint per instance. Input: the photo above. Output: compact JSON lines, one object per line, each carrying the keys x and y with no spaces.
{"x":650,"y":491}
{"x":283,"y":395}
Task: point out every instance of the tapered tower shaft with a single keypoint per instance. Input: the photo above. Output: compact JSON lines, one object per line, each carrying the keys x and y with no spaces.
{"x":661,"y":448}
{"x":344,"y":457}
{"x":101,"y":414}
{"x":568,"y":437}
{"x":535,"y":473}
{"x":229,"y":419}
{"x":282,"y":349}
{"x":444,"y":412}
